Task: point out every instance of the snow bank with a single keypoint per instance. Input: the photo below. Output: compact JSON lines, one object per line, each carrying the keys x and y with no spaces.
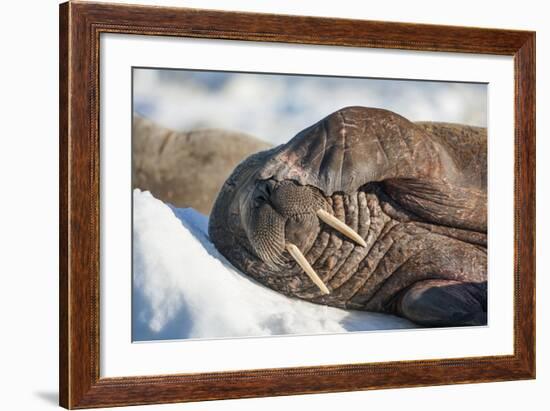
{"x":183,"y":288}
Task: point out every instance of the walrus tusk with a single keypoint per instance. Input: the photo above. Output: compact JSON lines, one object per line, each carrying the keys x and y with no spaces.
{"x":308,"y":269}
{"x":340,"y":226}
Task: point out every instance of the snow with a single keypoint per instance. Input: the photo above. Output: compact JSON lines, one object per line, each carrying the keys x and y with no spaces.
{"x":183,"y":288}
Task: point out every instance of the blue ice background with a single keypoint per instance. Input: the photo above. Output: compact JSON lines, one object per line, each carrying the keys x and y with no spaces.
{"x":275,"y":107}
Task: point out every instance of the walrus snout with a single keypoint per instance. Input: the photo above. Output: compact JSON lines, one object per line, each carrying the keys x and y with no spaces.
{"x":282,"y":221}
{"x":276,"y":213}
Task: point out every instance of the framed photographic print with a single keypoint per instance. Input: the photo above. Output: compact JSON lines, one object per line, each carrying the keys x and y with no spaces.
{"x":258,"y":205}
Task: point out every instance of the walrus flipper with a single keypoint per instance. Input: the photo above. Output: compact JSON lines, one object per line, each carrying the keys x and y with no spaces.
{"x":442,"y":303}
{"x":439,"y":202}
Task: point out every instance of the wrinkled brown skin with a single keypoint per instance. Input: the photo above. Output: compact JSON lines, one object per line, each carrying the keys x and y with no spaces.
{"x":186,"y":169}
{"x":416,"y":193}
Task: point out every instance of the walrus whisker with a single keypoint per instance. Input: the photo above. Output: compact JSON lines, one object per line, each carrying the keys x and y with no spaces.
{"x":308,"y":269}
{"x":341,"y":227}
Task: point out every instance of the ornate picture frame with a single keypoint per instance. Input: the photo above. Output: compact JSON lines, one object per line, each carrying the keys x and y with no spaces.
{"x":81,"y":384}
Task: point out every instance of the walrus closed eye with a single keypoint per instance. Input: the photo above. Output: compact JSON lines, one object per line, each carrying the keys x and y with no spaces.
{"x":365,"y":210}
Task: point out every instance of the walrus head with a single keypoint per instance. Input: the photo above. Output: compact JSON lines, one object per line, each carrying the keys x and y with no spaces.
{"x":271,"y":223}
{"x":363,"y":210}
{"x":270,"y":210}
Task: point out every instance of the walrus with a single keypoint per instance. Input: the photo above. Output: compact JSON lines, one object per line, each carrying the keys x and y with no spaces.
{"x":365,"y":210}
{"x":186,"y":169}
